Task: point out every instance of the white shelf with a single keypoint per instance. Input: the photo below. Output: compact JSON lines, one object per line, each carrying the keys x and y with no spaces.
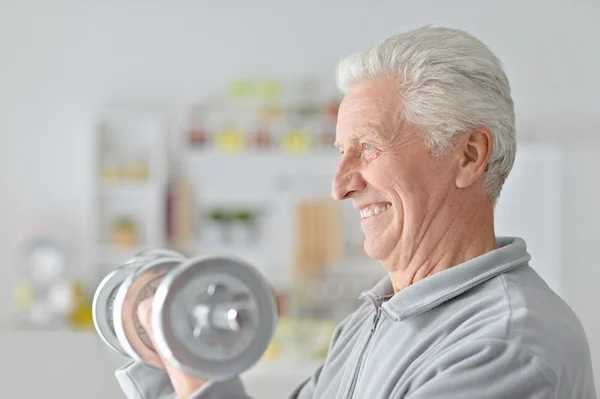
{"x":126,"y":188}
{"x":259,"y":177}
{"x":274,"y":163}
{"x":261,"y":157}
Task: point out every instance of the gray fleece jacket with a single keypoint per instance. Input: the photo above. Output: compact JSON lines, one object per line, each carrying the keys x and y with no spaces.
{"x":487,"y":328}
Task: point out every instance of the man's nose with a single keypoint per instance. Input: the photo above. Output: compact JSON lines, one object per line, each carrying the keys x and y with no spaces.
{"x":347,"y":178}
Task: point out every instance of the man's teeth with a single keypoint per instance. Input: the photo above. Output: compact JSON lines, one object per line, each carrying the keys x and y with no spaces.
{"x":373,"y":211}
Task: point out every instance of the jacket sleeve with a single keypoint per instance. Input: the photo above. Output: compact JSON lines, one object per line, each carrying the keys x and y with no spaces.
{"x":491,"y":369}
{"x":140,"y":381}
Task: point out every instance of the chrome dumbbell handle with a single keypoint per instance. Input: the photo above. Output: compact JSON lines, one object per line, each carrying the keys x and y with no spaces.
{"x":220,"y":309}
{"x":220,"y":318}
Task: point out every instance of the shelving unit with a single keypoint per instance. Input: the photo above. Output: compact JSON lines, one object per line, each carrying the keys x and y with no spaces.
{"x":130,"y":185}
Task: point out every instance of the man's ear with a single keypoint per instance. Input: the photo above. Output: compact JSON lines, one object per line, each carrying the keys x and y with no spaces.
{"x":474,"y":152}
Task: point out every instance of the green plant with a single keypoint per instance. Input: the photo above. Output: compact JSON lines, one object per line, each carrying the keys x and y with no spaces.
{"x":244,"y":216}
{"x":219,"y":216}
{"x":124,"y":223}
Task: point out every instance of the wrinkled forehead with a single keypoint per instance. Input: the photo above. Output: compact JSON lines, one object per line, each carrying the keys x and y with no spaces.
{"x":368,"y":111}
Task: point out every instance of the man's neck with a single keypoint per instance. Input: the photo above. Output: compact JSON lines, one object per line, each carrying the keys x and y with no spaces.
{"x":445,"y":244}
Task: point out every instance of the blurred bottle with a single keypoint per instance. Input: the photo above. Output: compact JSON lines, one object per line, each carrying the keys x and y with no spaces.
{"x":180,"y":210}
{"x":302,"y":117}
{"x":80,"y":317}
{"x":197,"y":130}
{"x":267,"y":113}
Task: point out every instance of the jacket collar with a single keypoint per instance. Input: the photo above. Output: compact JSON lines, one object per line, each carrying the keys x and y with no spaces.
{"x":434,"y":290}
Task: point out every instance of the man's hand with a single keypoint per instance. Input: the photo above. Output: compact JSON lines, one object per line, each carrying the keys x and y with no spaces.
{"x":183,"y":384}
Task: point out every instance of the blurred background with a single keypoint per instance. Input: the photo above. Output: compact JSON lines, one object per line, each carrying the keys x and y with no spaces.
{"x":206,"y":127}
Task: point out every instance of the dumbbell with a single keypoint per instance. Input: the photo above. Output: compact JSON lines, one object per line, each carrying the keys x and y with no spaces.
{"x":212,"y":316}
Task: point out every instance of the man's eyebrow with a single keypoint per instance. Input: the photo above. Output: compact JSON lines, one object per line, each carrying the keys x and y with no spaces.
{"x":359,"y":135}
{"x":364,"y":135}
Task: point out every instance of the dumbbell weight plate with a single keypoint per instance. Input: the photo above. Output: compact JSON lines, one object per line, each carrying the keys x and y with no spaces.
{"x":207,"y":351}
{"x":103,"y":306}
{"x":105,"y":294}
{"x":137,"y":287}
{"x":148,"y":255}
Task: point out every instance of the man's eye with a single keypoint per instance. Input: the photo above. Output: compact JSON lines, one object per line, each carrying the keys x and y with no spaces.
{"x":366,"y":146}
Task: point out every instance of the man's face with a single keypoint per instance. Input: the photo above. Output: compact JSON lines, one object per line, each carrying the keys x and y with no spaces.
{"x":387,"y":171}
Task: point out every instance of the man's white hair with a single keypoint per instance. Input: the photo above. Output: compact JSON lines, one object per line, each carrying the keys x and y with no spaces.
{"x":450,"y":83}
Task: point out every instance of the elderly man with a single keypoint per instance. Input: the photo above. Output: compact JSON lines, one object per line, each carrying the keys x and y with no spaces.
{"x":426,"y":132}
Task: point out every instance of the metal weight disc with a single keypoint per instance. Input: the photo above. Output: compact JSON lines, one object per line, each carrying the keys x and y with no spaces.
{"x":150,"y":254}
{"x":137,"y":287}
{"x":103,"y":306}
{"x":214,"y":316}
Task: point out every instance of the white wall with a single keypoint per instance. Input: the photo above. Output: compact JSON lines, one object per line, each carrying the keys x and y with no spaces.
{"x":581,"y":217}
{"x":61,"y":61}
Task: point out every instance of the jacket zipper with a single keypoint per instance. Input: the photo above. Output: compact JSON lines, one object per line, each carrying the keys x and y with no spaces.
{"x":362,"y":355}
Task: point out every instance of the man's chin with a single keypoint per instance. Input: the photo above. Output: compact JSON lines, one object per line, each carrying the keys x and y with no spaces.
{"x":373,"y":249}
